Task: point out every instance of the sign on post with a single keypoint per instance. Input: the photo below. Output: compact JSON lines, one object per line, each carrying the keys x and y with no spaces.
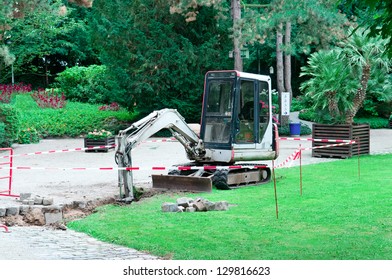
{"x":285,"y":103}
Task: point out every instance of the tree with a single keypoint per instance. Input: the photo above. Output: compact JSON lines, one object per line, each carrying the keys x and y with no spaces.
{"x":339,"y":78}
{"x":44,"y":37}
{"x":157,"y":58}
{"x":375,"y":15}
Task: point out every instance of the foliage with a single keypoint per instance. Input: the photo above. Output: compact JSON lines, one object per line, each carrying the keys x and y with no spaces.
{"x":112,"y":107}
{"x":341,"y":78}
{"x":87,"y":84}
{"x":12,"y":121}
{"x":374,"y":122}
{"x":98,"y":134}
{"x":7,"y":91}
{"x":337,"y":217}
{"x":157,"y":58}
{"x":28,"y":136}
{"x":43,"y":37}
{"x":2,"y":134}
{"x":376,"y":15}
{"x":73,"y":121}
{"x":49,"y":99}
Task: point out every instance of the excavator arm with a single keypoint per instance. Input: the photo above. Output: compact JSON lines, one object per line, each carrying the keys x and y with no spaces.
{"x":141,"y":130}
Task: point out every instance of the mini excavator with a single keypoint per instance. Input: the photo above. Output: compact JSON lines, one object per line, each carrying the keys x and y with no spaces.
{"x":236,"y":128}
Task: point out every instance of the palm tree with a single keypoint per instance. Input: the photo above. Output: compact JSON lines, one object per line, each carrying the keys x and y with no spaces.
{"x":365,"y":55}
{"x":339,"y":77}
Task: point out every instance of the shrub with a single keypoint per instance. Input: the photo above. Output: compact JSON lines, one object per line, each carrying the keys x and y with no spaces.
{"x":7,"y":91}
{"x":73,"y":121}
{"x":47,"y":99}
{"x":112,"y":107}
{"x":10,"y":118}
{"x":28,"y":136}
{"x":87,"y":84}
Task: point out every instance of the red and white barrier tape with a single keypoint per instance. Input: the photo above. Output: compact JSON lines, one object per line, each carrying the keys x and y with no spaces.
{"x":315,"y":140}
{"x":295,"y":155}
{"x":88,"y":148}
{"x":153,"y":168}
{"x":62,"y":151}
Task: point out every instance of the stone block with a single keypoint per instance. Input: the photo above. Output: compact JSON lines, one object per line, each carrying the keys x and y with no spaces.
{"x":169,"y":207}
{"x":38,"y":200}
{"x":2,"y":212}
{"x":30,"y":202}
{"x":53,"y":218}
{"x":12,"y":211}
{"x":184,"y":201}
{"x":23,"y":209}
{"x":25,"y":196}
{"x":200,"y":204}
{"x":190,"y":209}
{"x":47,"y":201}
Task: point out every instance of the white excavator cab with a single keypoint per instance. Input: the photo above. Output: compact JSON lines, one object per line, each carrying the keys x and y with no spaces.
{"x":236,"y":123}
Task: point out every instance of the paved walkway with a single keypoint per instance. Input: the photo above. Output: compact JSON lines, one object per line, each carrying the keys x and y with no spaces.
{"x":42,"y":243}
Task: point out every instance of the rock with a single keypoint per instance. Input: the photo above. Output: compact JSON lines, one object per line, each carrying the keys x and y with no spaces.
{"x":200,"y":204}
{"x":169,"y":207}
{"x":53,"y":218}
{"x":12,"y":211}
{"x":190,"y":209}
{"x":47,"y":201}
{"x":181,"y":209}
{"x":209,"y":205}
{"x":34,"y":216}
{"x":23,"y":209}
{"x":221,"y":206}
{"x":24,"y":196}
{"x":79,"y":204}
{"x":30,"y":202}
{"x":52,"y":209}
{"x":2,"y":212}
{"x":184,"y":201}
{"x":38,"y":200}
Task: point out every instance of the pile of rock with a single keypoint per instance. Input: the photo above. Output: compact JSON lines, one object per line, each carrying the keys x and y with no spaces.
{"x":35,"y":210}
{"x":185,"y":204}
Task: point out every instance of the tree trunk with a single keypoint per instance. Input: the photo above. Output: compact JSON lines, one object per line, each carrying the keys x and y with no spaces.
{"x":279,"y":59}
{"x":287,"y":59}
{"x":236,"y":14}
{"x":360,"y":95}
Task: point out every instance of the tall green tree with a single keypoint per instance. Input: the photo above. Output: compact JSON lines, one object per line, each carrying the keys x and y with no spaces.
{"x":44,"y":37}
{"x":375,"y":15}
{"x":157,"y":58}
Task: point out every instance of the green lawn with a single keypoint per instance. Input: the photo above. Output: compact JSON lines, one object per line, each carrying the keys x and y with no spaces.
{"x":339,"y":216}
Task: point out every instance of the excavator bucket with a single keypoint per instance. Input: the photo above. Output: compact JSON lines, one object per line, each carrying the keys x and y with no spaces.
{"x":182,"y":183}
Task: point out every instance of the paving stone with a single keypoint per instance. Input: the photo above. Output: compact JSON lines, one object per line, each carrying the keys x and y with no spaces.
{"x":53,"y":218}
{"x":12,"y":211}
{"x":3,"y":211}
{"x":47,"y":201}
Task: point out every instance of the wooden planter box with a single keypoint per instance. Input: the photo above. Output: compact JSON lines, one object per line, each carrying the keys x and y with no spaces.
{"x":359,"y":132}
{"x":101,"y":142}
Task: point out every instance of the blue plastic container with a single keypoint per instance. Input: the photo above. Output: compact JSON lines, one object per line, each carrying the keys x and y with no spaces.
{"x":295,"y":129}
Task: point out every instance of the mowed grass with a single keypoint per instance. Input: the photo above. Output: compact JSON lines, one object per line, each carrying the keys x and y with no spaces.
{"x":339,"y":216}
